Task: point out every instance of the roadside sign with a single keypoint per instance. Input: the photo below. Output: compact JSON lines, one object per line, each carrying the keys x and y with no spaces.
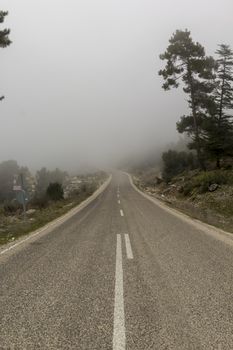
{"x":17,"y":188}
{"x":20,"y":193}
{"x":21,"y":197}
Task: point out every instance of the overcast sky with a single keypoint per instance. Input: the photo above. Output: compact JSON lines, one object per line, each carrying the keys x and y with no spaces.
{"x":81,"y":81}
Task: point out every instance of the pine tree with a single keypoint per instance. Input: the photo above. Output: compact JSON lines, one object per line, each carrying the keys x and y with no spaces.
{"x":4,"y":36}
{"x":186,"y":61}
{"x":219,"y":128}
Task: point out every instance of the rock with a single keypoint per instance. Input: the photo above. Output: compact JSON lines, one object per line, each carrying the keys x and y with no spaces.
{"x":158,"y":180}
{"x":213,"y":187}
{"x":30,"y":211}
{"x":68,"y":205}
{"x":13,"y":219}
{"x":180,"y":189}
{"x":167,"y":190}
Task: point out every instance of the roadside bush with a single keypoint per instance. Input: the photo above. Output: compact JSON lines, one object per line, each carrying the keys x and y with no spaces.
{"x":11,"y":208}
{"x":55,"y":191}
{"x":201,"y":182}
{"x":45,"y":177}
{"x":205,"y":179}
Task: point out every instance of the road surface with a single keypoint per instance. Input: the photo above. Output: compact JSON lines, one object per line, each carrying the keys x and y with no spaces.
{"x":121,"y":274}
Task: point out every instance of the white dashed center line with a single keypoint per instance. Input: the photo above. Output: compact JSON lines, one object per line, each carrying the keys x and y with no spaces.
{"x":121,"y":211}
{"x":128,"y":247}
{"x":119,"y":314}
{"x":119,"y":202}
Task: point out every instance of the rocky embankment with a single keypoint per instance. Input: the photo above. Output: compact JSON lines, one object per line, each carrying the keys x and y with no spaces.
{"x":207,"y":196}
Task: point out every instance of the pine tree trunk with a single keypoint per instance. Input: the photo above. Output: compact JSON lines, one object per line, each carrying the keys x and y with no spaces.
{"x":220,"y":113}
{"x":194,"y":113}
{"x":222,"y":95}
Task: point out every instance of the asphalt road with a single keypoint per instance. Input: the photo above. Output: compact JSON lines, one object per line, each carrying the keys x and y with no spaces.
{"x":121,"y":274}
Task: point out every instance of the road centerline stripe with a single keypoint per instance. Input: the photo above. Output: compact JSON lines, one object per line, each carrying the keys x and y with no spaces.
{"x":122,"y":213}
{"x":129,"y":252}
{"x":119,"y":202}
{"x":119,"y":314}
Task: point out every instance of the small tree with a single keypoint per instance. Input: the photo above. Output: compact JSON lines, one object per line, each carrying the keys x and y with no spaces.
{"x":44,"y":177}
{"x":55,"y":191}
{"x":186,"y":61}
{"x":4,"y":36}
{"x":219,"y":127}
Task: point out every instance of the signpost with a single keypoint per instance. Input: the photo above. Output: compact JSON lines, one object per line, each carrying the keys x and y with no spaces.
{"x":21,"y":195}
{"x":17,"y":188}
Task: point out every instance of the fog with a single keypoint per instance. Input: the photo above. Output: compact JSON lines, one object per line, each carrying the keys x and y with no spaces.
{"x":80,"y":78}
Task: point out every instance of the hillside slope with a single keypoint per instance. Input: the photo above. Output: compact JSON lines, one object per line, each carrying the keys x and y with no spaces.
{"x":207,"y":196}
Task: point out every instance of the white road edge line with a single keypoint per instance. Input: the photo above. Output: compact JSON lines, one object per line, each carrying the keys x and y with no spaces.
{"x":119,"y":313}
{"x":129,"y":252}
{"x":215,"y":232}
{"x":20,"y":242}
{"x":121,"y":211}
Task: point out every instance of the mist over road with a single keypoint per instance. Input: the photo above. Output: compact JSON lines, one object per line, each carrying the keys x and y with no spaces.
{"x":121,"y":274}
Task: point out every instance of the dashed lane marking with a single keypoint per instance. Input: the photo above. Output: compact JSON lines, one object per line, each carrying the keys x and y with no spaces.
{"x":129,"y":252}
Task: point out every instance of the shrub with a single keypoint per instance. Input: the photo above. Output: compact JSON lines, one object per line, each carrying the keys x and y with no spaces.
{"x":10,"y":208}
{"x":205,"y":179}
{"x":55,"y":191}
{"x":202,"y":181}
